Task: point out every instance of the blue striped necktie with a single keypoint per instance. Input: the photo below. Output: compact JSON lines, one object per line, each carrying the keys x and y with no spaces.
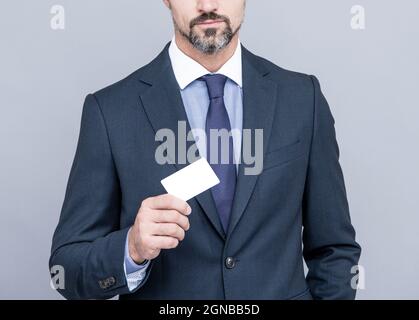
{"x":217,"y":119}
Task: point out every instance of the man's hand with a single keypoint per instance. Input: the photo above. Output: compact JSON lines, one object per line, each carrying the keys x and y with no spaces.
{"x":161,"y":223}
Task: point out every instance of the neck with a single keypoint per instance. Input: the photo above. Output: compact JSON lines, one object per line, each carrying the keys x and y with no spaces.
{"x":211,"y":62}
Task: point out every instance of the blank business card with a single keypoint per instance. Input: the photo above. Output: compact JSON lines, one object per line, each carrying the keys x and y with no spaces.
{"x":191,"y":180}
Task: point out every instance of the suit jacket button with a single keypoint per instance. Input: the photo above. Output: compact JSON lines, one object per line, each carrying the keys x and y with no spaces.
{"x":230,"y":263}
{"x":107,"y":283}
{"x":112,"y":281}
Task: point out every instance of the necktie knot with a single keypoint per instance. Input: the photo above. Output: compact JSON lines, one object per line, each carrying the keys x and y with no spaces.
{"x":215,"y":84}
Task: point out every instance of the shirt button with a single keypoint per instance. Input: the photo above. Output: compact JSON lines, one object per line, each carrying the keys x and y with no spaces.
{"x":230,"y":263}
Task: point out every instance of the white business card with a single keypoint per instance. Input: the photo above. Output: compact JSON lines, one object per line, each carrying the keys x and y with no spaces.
{"x":191,"y":180}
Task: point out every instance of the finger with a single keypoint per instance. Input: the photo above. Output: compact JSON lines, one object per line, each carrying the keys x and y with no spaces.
{"x":168,"y":229}
{"x":171,"y":216}
{"x":164,"y":242}
{"x":167,"y":201}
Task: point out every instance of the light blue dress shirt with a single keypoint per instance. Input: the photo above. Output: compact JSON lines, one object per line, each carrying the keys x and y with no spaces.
{"x":196,"y":102}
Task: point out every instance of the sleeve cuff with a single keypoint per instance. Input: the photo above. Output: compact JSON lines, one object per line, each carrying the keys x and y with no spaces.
{"x":134,"y":273}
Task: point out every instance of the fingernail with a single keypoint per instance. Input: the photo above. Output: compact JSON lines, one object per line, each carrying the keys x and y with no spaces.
{"x":188,"y":210}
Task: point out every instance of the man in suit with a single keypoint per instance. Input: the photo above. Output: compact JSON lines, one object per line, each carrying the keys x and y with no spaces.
{"x":120,"y":233}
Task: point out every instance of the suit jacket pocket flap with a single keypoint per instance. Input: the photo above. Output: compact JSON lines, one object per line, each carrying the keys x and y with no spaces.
{"x":284,"y":154}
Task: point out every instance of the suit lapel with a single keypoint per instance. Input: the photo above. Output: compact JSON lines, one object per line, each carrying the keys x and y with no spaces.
{"x":164,"y":107}
{"x":259,"y":99}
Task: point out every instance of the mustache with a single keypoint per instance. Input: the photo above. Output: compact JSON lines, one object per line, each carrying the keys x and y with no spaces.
{"x":209,"y":16}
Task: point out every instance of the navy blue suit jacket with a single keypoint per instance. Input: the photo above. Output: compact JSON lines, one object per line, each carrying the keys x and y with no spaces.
{"x":296,"y":208}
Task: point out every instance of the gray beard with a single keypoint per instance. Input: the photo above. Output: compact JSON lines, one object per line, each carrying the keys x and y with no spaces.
{"x":210,"y":43}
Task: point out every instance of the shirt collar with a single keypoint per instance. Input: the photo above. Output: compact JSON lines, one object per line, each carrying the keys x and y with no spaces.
{"x":187,"y":70}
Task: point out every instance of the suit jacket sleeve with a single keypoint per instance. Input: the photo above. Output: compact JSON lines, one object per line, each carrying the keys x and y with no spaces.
{"x":330,"y":250}
{"x":88,"y":241}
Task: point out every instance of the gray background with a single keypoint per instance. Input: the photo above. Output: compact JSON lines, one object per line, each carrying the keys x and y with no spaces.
{"x":370,"y":78}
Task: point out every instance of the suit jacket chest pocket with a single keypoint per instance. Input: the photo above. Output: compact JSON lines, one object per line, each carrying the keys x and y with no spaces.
{"x":287,"y":153}
{"x":283,"y":174}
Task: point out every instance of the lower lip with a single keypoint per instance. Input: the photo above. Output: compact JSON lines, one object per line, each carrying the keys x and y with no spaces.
{"x":210,"y":22}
